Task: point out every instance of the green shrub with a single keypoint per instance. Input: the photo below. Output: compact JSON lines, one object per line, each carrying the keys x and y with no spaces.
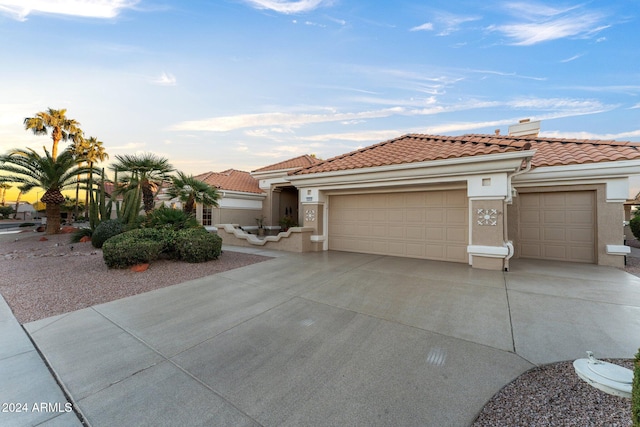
{"x":6,"y":211}
{"x":26,"y":224}
{"x":635,"y":392}
{"x":79,"y":234}
{"x":164,"y":217}
{"x":137,"y":247}
{"x":634,"y":224}
{"x":197,"y":245}
{"x":105,"y":230}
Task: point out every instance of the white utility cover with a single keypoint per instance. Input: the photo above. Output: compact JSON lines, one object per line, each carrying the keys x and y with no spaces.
{"x":605,"y":376}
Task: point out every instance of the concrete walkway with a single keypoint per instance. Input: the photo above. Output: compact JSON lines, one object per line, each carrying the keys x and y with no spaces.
{"x":330,"y":339}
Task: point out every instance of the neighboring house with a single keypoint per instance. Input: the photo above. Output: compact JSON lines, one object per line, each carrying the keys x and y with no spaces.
{"x":282,"y":198}
{"x":26,"y":210}
{"x":241,"y":199}
{"x":477,"y":199}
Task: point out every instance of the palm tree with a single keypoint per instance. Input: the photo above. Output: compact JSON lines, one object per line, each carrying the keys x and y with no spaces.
{"x":30,"y":170}
{"x":95,"y":152}
{"x":191,"y":191}
{"x":148,"y":170}
{"x":4,"y":186}
{"x":62,"y":128}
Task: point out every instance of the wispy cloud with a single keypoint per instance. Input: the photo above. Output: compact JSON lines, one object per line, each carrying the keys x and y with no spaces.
{"x":424,"y":27}
{"x":540,"y":23}
{"x":228,"y":123}
{"x":451,"y":23}
{"x":165,"y":79}
{"x":505,"y":74}
{"x":105,"y":9}
{"x":289,"y":7}
{"x":573,"y":58}
{"x":591,"y":135}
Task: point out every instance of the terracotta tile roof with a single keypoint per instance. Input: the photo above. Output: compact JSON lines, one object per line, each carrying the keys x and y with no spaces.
{"x":419,"y":148}
{"x":295,"y":163}
{"x":231,"y":180}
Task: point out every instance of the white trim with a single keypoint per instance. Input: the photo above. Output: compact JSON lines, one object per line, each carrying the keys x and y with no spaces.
{"x":618,"y":250}
{"x":488,"y":251}
{"x":595,"y":171}
{"x":317,"y":238}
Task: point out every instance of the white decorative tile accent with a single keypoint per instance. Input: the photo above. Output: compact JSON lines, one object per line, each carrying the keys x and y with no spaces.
{"x":310,"y":215}
{"x":487,"y":216}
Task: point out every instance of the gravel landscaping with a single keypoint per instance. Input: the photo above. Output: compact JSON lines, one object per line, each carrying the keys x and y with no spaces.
{"x":45,"y":278}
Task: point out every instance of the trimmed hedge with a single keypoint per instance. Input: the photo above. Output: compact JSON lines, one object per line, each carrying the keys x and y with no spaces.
{"x":144,"y":245}
{"x":139,"y":246}
{"x":105,"y":230}
{"x":635,"y":392}
{"x":634,"y":224}
{"x":197,"y":245}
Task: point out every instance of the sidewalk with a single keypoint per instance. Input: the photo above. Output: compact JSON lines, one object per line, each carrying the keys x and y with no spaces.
{"x":29,"y":394}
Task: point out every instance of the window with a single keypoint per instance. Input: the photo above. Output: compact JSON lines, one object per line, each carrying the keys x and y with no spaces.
{"x":206,"y":215}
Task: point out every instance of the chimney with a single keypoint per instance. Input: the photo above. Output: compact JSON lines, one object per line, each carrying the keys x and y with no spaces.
{"x":525,"y":128}
{"x":497,"y":131}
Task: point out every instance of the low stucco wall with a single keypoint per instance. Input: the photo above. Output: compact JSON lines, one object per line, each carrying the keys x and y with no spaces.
{"x":296,"y":239}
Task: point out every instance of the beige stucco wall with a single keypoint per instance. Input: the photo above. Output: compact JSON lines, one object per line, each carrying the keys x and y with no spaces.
{"x":296,"y":240}
{"x":609,"y":217}
{"x":243,"y":217}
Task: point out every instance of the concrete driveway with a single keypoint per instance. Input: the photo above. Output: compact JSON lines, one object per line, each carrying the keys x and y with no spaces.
{"x":334,"y":339}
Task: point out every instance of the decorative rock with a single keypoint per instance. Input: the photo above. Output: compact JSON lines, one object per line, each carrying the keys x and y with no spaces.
{"x":43,"y":239}
{"x":85,"y":239}
{"x":41,"y":229}
{"x":67,"y":229}
{"x":138,"y":268}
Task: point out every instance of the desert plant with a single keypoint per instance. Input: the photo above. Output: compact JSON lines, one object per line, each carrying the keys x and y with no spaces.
{"x":197,"y":245}
{"x":635,"y":392}
{"x":164,"y":217}
{"x":79,"y":234}
{"x":105,"y":230}
{"x":634,"y":224}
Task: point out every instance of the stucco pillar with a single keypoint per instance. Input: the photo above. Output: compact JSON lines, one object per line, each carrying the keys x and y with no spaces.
{"x":488,"y":234}
{"x":313,"y":216}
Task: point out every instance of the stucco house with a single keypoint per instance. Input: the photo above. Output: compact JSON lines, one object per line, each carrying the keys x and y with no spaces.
{"x":477,"y":199}
{"x":241,"y":199}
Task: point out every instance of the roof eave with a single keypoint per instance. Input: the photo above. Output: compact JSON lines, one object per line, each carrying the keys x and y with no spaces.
{"x":428,"y":171}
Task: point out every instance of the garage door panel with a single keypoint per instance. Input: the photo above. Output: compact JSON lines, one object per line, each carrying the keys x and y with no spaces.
{"x":554,"y":217}
{"x":457,"y":216}
{"x":419,"y":225}
{"x":558,"y":226}
{"x":554,"y":234}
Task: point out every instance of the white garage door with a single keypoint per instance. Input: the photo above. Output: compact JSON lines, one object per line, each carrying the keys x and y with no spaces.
{"x":558,"y":226}
{"x":430,"y":225}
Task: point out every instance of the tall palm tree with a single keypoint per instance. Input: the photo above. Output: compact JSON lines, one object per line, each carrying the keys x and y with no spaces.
{"x":4,"y":186}
{"x":148,"y":170}
{"x":95,"y":152}
{"x":62,"y":128}
{"x":191,"y":191}
{"x":31,"y":170}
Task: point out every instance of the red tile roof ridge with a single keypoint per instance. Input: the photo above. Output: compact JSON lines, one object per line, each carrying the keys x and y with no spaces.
{"x":414,"y":147}
{"x":298,"y":162}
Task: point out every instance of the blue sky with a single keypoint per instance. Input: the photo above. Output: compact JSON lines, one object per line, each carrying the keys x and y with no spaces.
{"x":213,"y":85}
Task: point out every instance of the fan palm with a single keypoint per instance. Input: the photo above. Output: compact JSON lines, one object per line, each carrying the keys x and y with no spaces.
{"x":30,"y":170}
{"x":191,"y":191}
{"x":148,"y":170}
{"x":62,"y":128}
